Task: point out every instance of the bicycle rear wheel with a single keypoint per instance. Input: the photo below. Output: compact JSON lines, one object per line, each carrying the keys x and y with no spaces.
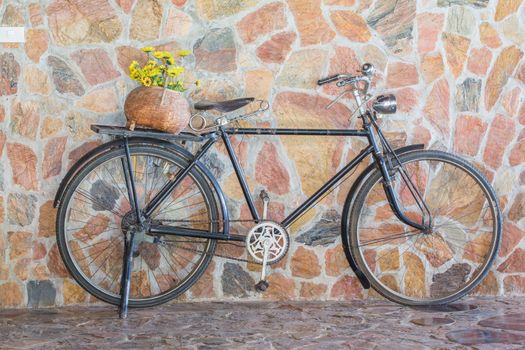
{"x":96,"y":212}
{"x":412,"y":267}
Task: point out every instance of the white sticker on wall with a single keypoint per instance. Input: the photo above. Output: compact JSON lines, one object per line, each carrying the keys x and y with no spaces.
{"x":12,"y":35}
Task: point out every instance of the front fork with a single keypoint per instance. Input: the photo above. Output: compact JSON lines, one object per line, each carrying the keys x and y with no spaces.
{"x":394,"y":202}
{"x":373,"y":134}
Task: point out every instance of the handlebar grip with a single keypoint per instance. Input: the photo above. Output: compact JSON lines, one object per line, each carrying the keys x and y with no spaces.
{"x":328,"y":80}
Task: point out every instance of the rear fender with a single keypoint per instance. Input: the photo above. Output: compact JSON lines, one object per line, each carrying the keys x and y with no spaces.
{"x":106,"y":147}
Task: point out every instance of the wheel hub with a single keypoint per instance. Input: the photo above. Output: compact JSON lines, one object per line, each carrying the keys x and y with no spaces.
{"x":129,"y":222}
{"x":141,"y":231}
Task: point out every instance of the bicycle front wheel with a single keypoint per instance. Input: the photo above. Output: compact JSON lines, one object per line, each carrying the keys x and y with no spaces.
{"x":96,"y":213}
{"x":412,"y":267}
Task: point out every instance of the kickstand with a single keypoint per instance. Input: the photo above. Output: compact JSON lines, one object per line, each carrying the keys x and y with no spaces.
{"x":125,"y":280}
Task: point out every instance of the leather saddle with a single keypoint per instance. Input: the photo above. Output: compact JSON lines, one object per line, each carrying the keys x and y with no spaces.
{"x":223,"y":106}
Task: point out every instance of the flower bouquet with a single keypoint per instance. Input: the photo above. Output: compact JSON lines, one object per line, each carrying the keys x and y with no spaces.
{"x":158,"y":102}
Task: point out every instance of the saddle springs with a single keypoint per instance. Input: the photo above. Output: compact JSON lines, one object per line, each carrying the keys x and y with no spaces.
{"x":200,"y":122}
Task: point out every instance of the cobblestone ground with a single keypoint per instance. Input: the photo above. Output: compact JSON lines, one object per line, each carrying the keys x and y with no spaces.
{"x":473,"y":323}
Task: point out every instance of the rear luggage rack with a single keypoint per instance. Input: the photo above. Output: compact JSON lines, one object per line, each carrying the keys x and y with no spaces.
{"x":121,"y":132}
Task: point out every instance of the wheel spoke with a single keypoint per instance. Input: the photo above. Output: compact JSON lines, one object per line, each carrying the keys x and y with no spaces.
{"x":391,"y":238}
{"x":183,"y":207}
{"x":94,"y":201}
{"x":164,"y":210}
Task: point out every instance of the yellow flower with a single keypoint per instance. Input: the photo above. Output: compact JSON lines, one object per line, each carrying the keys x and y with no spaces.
{"x":198,"y":83}
{"x":135,"y":75}
{"x":166,"y":55}
{"x":184,"y":53}
{"x":146,"y":81}
{"x":154,"y":72}
{"x":176,"y":86}
{"x":174,"y":71}
{"x":133,"y":65}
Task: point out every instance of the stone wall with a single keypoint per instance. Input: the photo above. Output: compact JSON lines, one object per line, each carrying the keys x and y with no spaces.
{"x":456,"y":66}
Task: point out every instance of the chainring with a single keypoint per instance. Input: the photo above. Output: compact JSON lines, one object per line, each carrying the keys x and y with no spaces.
{"x":275,"y":233}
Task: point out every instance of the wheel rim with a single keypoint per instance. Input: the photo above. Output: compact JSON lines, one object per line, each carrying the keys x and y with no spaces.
{"x":97,"y":212}
{"x":417,"y":267}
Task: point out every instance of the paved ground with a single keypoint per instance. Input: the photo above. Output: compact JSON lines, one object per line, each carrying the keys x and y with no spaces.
{"x":473,"y":323}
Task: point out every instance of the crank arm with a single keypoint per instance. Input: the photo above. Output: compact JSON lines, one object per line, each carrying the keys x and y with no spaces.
{"x":262,"y":285}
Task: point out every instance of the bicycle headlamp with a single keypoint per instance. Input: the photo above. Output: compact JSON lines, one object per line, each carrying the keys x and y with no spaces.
{"x":385,"y":104}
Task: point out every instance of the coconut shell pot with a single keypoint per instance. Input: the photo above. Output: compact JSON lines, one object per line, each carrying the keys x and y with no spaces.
{"x":157,"y":108}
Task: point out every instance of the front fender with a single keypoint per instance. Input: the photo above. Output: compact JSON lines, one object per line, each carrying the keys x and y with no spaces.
{"x":345,"y":219}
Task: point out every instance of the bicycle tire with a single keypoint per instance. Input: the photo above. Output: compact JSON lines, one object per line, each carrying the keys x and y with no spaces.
{"x":396,"y":287}
{"x":197,"y":176}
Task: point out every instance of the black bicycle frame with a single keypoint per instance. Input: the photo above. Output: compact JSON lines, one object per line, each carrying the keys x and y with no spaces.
{"x":225,"y":133}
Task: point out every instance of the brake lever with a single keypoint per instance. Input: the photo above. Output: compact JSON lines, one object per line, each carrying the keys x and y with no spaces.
{"x":330,"y":105}
{"x":367,"y":98}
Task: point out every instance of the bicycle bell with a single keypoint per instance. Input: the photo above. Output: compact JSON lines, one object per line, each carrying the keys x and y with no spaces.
{"x":385,"y":104}
{"x":368,"y":69}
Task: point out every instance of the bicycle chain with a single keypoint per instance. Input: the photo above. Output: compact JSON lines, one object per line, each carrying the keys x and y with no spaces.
{"x":216,"y":255}
{"x":219,"y":255}
{"x":203,"y":221}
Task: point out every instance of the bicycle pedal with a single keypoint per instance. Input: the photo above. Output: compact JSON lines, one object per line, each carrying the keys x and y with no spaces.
{"x":266,"y":200}
{"x":262,"y":286}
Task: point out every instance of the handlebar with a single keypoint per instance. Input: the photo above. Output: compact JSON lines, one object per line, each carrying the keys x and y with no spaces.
{"x":329,"y":79}
{"x":360,"y":92}
{"x":367,"y":69}
{"x":345,"y":79}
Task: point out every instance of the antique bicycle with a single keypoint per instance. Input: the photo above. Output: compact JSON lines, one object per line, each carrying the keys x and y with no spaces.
{"x":139,"y":218}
